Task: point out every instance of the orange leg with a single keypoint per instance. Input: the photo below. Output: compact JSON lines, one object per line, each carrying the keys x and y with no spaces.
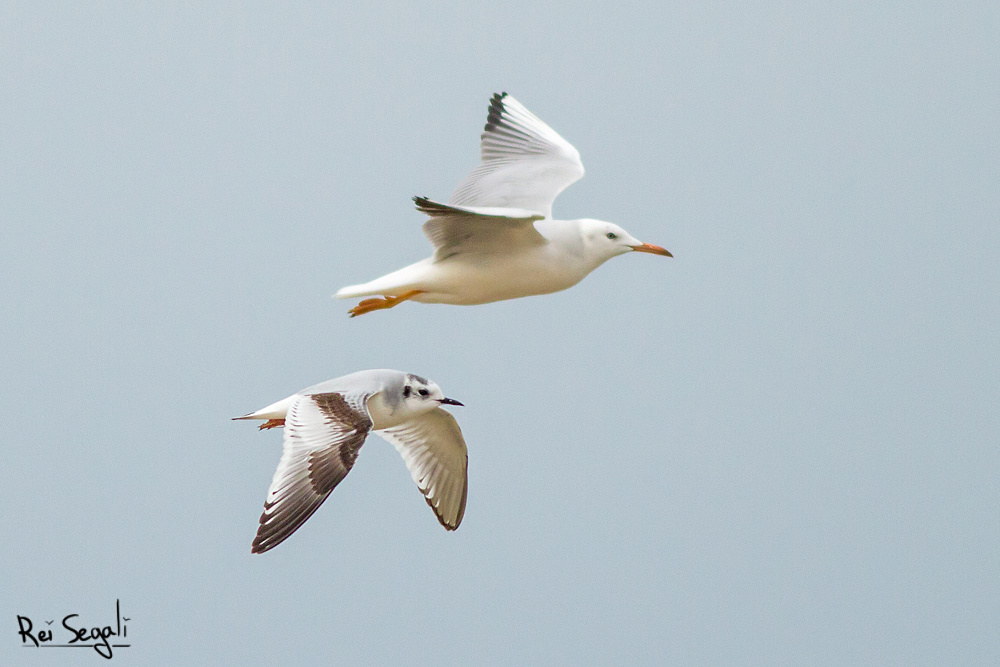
{"x":368,"y":305}
{"x":272,"y":423}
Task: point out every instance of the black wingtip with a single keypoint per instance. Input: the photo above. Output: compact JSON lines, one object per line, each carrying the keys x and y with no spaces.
{"x":495,"y":112}
{"x":434,"y":208}
{"x":425,"y":205}
{"x":258,"y":546}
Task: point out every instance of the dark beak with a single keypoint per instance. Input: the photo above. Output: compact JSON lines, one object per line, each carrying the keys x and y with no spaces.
{"x":651,"y":249}
{"x":450,"y":401}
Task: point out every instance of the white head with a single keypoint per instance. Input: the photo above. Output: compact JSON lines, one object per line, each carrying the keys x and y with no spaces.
{"x":417,"y":395}
{"x":604,"y":240}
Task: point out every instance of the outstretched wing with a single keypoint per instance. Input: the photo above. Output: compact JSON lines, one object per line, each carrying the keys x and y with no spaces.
{"x":435,"y":454}
{"x":468,"y":229}
{"x":525,"y":163}
{"x":323,"y":434}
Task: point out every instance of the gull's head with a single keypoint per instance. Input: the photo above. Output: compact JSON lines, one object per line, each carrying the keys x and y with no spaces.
{"x":605,"y":240}
{"x":420,"y":395}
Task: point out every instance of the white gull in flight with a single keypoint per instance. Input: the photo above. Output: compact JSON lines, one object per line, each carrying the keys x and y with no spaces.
{"x":495,"y":239}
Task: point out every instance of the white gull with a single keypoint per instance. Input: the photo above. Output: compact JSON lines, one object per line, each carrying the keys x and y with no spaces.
{"x":495,"y":239}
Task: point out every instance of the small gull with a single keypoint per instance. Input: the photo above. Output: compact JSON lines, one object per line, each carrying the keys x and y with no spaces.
{"x":495,"y":239}
{"x":324,"y":428}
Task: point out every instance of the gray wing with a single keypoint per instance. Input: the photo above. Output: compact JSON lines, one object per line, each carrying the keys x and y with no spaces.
{"x":525,"y":163}
{"x":469,"y":229}
{"x":323,"y":433}
{"x":435,"y":454}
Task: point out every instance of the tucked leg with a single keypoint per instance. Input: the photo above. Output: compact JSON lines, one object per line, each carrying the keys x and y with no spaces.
{"x":272,"y":423}
{"x":368,"y":305}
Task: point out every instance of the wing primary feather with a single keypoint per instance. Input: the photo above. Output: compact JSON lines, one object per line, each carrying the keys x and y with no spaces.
{"x":524,"y":164}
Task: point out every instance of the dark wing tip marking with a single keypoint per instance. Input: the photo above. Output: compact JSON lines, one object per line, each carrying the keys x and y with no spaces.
{"x":425,"y":205}
{"x":432,"y":208}
{"x":495,"y":115}
{"x":270,"y":535}
{"x":435,"y":209}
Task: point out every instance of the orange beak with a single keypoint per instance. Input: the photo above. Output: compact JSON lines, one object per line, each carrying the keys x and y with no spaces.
{"x":652,"y":249}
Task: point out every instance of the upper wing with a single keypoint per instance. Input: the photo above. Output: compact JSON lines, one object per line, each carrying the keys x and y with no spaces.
{"x":323,"y":433}
{"x":434,"y":451}
{"x":464,"y":229}
{"x":525,"y":163}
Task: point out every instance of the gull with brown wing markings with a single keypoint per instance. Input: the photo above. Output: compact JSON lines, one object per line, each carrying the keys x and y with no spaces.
{"x":325,"y":426}
{"x":495,"y":239}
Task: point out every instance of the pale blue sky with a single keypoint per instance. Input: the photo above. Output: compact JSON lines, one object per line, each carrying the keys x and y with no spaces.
{"x":778,"y":447}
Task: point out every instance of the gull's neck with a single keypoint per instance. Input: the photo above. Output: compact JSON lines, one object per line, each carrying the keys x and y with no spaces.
{"x":566,"y":239}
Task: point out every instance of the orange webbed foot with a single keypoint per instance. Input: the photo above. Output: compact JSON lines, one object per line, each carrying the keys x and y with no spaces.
{"x":272,"y":423}
{"x":382,"y":303}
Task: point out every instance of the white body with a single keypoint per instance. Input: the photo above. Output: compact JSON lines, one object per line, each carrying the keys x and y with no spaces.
{"x":473,"y":278}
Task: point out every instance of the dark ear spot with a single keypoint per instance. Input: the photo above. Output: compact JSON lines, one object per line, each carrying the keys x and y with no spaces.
{"x":406,"y":391}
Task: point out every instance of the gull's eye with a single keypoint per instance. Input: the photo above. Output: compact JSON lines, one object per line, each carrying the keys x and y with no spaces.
{"x":423,"y":392}
{"x":611,"y":235}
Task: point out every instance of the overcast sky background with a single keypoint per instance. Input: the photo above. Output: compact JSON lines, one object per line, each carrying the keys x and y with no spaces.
{"x":780,"y":446}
